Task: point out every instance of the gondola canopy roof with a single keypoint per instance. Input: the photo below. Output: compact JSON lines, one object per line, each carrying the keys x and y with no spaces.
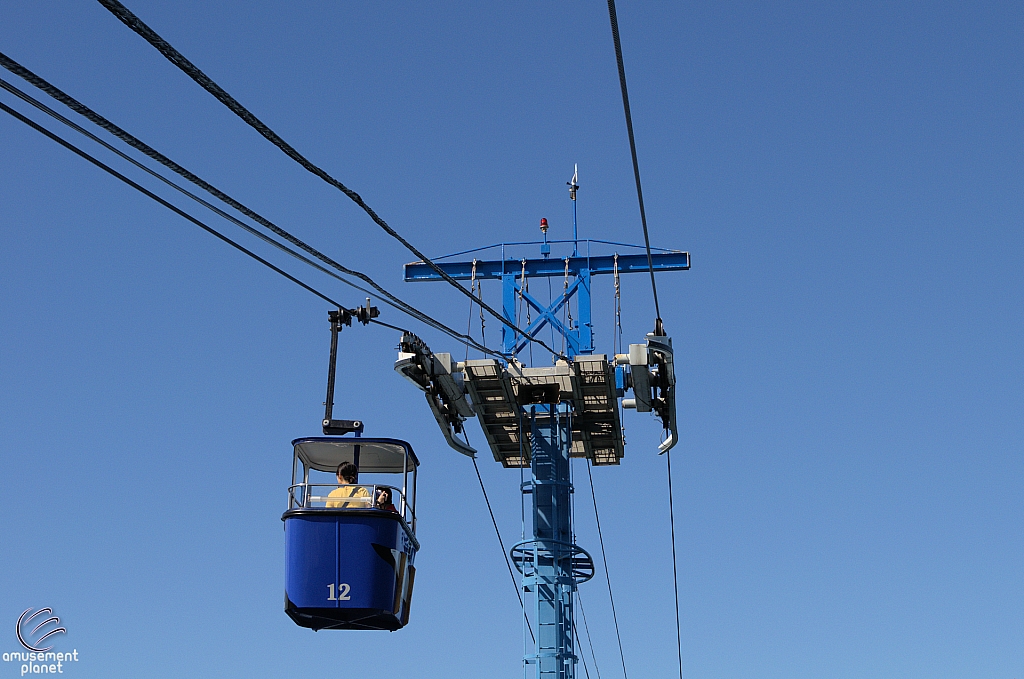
{"x":376,"y":456}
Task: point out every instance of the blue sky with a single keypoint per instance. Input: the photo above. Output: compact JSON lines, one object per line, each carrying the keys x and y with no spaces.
{"x":846,"y":177}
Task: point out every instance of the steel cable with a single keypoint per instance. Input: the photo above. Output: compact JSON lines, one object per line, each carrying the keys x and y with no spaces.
{"x":658,"y":326}
{"x":134,"y":142}
{"x":579,"y":643}
{"x":504,"y":553}
{"x":71,"y":147}
{"x":590,"y":640}
{"x":675,"y":575}
{"x":632,"y":148}
{"x":138,"y":187}
{"x":607,"y":576}
{"x":191,"y":70}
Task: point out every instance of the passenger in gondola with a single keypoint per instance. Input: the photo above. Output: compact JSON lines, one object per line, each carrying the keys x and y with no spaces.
{"x":345,"y":496}
{"x":383,"y":500}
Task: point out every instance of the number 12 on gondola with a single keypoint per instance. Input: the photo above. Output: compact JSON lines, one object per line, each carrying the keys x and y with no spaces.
{"x":343,"y":590}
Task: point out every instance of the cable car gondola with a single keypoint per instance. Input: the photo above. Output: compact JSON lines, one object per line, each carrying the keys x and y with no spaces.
{"x":349,"y":557}
{"x":350,"y":544}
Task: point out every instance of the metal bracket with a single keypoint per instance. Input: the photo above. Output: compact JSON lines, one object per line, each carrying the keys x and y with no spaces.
{"x":444,"y":387}
{"x":653,"y":379}
{"x":339,"y":317}
{"x":660,"y":352}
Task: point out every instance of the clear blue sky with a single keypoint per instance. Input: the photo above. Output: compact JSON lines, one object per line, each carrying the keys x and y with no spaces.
{"x":847,"y":178}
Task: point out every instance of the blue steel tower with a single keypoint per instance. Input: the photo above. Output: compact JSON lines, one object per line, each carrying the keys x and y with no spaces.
{"x":541,"y":417}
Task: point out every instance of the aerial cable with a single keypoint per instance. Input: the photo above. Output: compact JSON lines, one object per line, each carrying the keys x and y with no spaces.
{"x":504,"y":553}
{"x":476,"y":287}
{"x":469,"y":321}
{"x":576,"y":602}
{"x":675,"y":575}
{"x":590,"y":640}
{"x":69,"y":101}
{"x":100,"y":164}
{"x":42,"y":107}
{"x":141,"y":146}
{"x":204,"y":81}
{"x":480,"y":303}
{"x":617,"y":321}
{"x":551,"y":326}
{"x":529,"y":319}
{"x":636,"y":166}
{"x":519,"y":300}
{"x":607,"y":576}
{"x":579,"y":643}
{"x":180,"y":212}
{"x":414,"y":313}
{"x":388,"y":325}
{"x":658,"y":327}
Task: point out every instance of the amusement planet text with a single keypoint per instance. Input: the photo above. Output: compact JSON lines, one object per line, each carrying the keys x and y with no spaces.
{"x":41,"y":663}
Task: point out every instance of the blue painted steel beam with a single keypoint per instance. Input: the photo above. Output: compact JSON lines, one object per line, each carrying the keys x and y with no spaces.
{"x":552,"y":535}
{"x":579,"y":338}
{"x":553,"y":267}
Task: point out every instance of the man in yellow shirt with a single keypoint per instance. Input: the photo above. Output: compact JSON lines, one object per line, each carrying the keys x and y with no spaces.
{"x":345,"y":497}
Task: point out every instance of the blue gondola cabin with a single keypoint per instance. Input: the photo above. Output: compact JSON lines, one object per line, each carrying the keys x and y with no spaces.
{"x":350,"y":545}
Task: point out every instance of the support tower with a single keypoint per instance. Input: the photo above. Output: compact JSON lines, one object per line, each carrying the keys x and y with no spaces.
{"x":541,"y":417}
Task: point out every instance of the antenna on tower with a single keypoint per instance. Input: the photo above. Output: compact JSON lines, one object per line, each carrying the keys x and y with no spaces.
{"x":573,"y":186}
